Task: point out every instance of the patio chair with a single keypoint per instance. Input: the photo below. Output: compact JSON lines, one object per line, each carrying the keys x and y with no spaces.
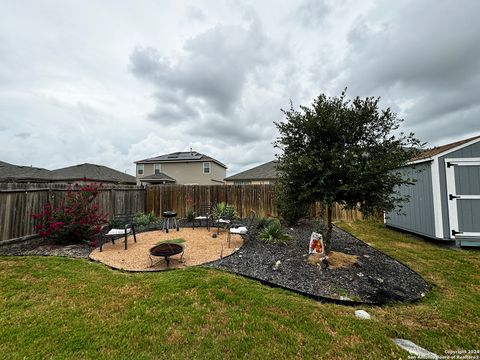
{"x":121,"y":224}
{"x":204,"y":212}
{"x":223,"y":219}
{"x":239,"y":229}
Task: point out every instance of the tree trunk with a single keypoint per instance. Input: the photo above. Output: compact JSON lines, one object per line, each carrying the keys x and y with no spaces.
{"x":328,"y":235}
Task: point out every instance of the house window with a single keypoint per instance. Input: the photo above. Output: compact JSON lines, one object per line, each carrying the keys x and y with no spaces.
{"x":206,"y":167}
{"x":140,"y":169}
{"x":158,"y":169}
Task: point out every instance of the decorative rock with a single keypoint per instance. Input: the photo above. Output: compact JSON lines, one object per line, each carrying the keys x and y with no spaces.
{"x":362,"y":314}
{"x":414,"y":349}
{"x":277,"y":265}
{"x":324,"y":263}
{"x":380,"y":280}
{"x":367,"y":256}
{"x":360,"y":275}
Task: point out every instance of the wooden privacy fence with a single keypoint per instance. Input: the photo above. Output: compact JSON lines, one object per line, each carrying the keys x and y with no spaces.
{"x":260,"y":198}
{"x":182,"y":198}
{"x":18,"y":202}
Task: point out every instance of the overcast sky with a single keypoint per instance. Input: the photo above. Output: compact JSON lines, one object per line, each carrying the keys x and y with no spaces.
{"x":112,"y":82}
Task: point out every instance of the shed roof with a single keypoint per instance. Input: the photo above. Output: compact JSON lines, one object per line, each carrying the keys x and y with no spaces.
{"x":265,"y":171}
{"x":186,"y":156}
{"x":429,"y":153}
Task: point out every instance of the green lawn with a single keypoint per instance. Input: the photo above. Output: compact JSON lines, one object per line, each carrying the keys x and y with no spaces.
{"x":53,"y":307}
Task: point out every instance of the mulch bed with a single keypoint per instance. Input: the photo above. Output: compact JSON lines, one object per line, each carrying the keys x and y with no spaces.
{"x":375,"y":279}
{"x":40,"y":247}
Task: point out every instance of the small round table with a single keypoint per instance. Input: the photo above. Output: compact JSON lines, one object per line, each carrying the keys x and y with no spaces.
{"x":167,"y":215}
{"x":166,"y":250}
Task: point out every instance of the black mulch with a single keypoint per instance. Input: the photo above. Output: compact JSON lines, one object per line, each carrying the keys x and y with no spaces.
{"x":376,"y":279}
{"x":41,"y":247}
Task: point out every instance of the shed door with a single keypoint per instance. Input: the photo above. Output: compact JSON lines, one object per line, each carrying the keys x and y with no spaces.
{"x":463,"y":187}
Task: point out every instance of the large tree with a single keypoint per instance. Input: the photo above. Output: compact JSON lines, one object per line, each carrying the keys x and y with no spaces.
{"x":341,"y":151}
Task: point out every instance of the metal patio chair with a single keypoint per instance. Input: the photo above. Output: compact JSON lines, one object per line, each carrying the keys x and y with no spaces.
{"x":239,"y":229}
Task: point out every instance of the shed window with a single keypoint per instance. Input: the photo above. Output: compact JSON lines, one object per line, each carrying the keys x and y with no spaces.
{"x":206,"y":167}
{"x":158,"y":169}
{"x":140,"y":169}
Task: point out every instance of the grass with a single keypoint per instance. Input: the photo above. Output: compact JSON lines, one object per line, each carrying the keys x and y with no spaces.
{"x":172,"y":241}
{"x":62,"y":308}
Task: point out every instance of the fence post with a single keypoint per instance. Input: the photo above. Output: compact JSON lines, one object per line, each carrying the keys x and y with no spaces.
{"x":112,"y":201}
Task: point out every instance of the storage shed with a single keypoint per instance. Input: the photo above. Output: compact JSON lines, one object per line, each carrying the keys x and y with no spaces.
{"x":445,"y":200}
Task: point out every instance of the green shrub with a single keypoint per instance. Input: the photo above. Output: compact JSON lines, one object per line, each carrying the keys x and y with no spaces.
{"x":190,"y":215}
{"x":263,"y":222}
{"x":273,"y":233}
{"x":224,"y":211}
{"x":291,"y":205}
{"x":141,"y":219}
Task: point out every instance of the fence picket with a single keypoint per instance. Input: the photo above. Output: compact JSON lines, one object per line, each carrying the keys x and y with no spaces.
{"x":19,"y":201}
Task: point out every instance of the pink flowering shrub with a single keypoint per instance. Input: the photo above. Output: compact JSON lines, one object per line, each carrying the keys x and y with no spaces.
{"x":76,"y":220}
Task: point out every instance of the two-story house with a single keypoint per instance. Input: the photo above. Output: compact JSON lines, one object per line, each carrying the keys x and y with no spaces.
{"x":182,"y":168}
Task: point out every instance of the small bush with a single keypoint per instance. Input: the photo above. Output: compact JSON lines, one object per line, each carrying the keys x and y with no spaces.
{"x":224,"y":211}
{"x":273,"y":233}
{"x":190,"y":215}
{"x":263,"y":222}
{"x":290,"y":205}
{"x":141,"y":219}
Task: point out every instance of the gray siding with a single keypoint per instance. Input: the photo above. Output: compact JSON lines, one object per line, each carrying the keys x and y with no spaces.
{"x":469,"y":215}
{"x":417,"y":214}
{"x":467,"y":152}
{"x":467,"y":180}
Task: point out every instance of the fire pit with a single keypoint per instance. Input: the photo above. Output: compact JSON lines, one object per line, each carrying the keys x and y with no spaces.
{"x":167,"y":215}
{"x":166,"y":250}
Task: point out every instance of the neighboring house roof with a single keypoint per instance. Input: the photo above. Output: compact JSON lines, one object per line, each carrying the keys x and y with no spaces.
{"x":92,"y":172}
{"x":187,"y":156}
{"x":158,"y":177}
{"x":429,"y":153}
{"x":10,"y":172}
{"x":265,"y":171}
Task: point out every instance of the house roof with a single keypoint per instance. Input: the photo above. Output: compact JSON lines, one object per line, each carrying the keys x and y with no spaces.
{"x":158,"y":177}
{"x":92,"y":172}
{"x":186,"y":156}
{"x":428,"y":153}
{"x":265,"y":171}
{"x":10,"y":172}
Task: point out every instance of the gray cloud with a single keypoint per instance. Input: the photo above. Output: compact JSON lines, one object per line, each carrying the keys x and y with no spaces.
{"x":217,"y":74}
{"x":204,"y":86}
{"x":214,"y":68}
{"x":424,"y":53}
{"x":313,"y":12}
{"x":195,"y":13}
{"x":23,"y":135}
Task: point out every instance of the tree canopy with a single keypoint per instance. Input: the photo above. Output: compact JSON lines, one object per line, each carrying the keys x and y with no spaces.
{"x":342,"y":151}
